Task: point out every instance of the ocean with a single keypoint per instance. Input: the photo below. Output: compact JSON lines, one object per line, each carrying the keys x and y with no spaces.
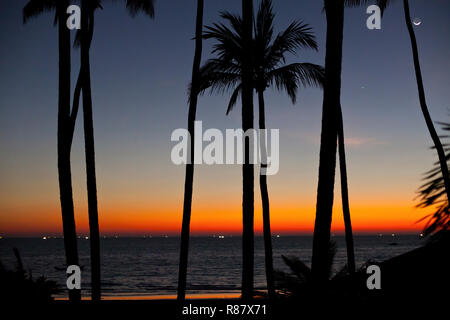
{"x":149,"y":266}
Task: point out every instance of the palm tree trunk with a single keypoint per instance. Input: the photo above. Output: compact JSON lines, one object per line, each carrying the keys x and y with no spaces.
{"x":87,"y":27}
{"x":344,"y":192}
{"x":265,"y":200}
{"x":189,"y":181}
{"x":423,"y":104}
{"x":247,"y":167}
{"x":64,"y":145}
{"x":328,"y":143}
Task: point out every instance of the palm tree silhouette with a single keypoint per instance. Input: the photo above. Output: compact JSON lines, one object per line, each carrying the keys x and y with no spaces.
{"x":344,"y":195}
{"x":245,"y":60}
{"x":443,"y":167}
{"x":269,"y":69}
{"x":189,"y":180}
{"x":66,"y":124}
{"x":248,"y":232}
{"x":328,"y":143}
{"x":84,"y":39}
{"x":423,"y":103}
{"x":343,"y":175}
{"x":332,"y":131}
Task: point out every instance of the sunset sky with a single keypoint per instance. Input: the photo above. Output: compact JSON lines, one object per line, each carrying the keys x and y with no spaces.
{"x":140,"y":70}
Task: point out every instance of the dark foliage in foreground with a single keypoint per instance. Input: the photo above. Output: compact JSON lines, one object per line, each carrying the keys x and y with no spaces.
{"x":299,"y":281}
{"x":432,"y":193}
{"x":411,"y":282}
{"x":19,"y":285}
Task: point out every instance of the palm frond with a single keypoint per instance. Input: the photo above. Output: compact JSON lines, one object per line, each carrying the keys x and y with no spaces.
{"x":432,"y":193}
{"x":298,"y":268}
{"x":296,"y":35}
{"x":264,"y":24}
{"x":36,"y":7}
{"x":383,"y":4}
{"x":234,"y":20}
{"x":218,"y":76}
{"x":234,"y":98}
{"x":229,"y":44}
{"x":298,"y":282}
{"x":145,"y":6}
{"x":289,"y":77}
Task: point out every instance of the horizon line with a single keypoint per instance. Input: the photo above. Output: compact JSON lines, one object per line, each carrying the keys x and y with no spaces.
{"x":85,"y":236}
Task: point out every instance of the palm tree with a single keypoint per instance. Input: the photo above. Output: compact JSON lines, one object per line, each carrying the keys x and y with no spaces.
{"x":66,"y":123}
{"x":443,"y":167}
{"x":344,"y":195}
{"x":189,"y":180}
{"x":328,"y":144}
{"x":268,"y":70}
{"x":84,"y":39}
{"x":247,"y":168}
{"x":423,"y":104}
{"x":332,"y":129}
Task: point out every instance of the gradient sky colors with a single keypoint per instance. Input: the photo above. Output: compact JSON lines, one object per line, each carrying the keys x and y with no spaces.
{"x":140,"y":71}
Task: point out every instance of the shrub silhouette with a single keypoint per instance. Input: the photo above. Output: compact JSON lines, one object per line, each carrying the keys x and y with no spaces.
{"x":19,"y":284}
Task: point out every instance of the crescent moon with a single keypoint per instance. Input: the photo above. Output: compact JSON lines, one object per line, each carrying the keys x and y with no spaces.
{"x":417,"y":22}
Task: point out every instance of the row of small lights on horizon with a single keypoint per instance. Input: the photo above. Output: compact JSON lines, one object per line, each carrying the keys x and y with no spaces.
{"x":166,"y":236}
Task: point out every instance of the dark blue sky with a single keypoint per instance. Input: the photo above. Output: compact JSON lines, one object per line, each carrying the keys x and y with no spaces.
{"x":140,"y":72}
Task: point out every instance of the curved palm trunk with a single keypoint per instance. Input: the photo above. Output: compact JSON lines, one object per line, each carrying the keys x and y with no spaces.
{"x":64,"y":145}
{"x":265,"y":201}
{"x":328,"y":143}
{"x":87,"y":27}
{"x":423,"y":104}
{"x":344,"y":192}
{"x":247,"y":167}
{"x":189,"y":181}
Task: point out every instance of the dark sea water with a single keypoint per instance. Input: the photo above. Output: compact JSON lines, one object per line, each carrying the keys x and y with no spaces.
{"x":149,"y":266}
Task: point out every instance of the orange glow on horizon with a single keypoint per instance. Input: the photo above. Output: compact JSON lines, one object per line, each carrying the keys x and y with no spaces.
{"x":284,"y":220}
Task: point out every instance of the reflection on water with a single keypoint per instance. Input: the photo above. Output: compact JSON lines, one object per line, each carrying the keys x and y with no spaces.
{"x":149,"y":266}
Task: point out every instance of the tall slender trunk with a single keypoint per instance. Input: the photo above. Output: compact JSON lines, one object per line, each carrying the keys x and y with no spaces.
{"x":265,"y":200}
{"x":189,"y":181}
{"x":247,"y":167}
{"x":64,"y":145}
{"x":423,"y":104}
{"x":328,"y":143}
{"x":87,"y":27}
{"x":344,"y":192}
